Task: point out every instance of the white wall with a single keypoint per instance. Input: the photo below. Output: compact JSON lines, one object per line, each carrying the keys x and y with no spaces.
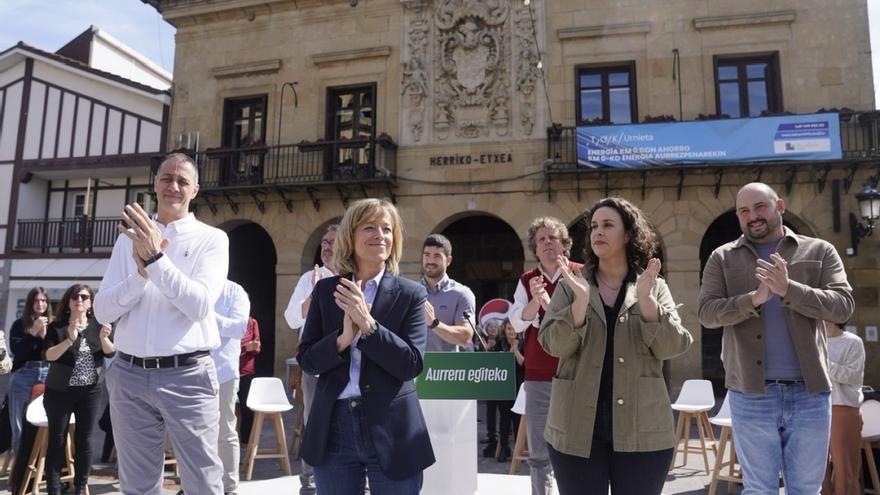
{"x":5,"y":191}
{"x":114,"y":61}
{"x":109,"y":203}
{"x":9,"y":122}
{"x":32,"y":199}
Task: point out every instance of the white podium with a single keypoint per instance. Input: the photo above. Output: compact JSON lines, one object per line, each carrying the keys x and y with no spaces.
{"x":452,"y":425}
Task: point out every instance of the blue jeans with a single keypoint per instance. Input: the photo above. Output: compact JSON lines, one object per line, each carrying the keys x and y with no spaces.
{"x":785,"y":429}
{"x":20,"y":385}
{"x":351,"y":456}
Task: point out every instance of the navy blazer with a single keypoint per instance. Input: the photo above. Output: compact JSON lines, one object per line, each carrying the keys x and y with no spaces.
{"x":391,"y":358}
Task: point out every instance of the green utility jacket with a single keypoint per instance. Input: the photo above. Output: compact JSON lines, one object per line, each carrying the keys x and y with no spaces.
{"x":642,"y":413}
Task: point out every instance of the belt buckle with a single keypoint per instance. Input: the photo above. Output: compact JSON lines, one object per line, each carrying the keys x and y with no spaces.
{"x":147,"y":360}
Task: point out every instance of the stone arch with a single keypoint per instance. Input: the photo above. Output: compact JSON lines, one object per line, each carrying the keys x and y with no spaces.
{"x":487,"y":254}
{"x":252,"y":264}
{"x":311,"y":254}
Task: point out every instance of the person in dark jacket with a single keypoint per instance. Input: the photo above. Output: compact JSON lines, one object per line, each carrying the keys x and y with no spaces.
{"x":26,"y":345}
{"x":365,"y":338}
{"x":75,"y":346}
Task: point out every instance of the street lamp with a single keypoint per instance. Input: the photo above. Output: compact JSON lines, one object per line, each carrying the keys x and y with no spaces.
{"x":869,"y":209}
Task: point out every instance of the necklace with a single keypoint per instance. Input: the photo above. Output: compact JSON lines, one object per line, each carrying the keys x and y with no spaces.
{"x":602,"y":282}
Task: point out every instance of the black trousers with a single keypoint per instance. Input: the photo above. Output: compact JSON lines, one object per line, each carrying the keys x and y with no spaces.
{"x":628,"y":473}
{"x":509,"y":421}
{"x":247,"y":416}
{"x":84,"y":403}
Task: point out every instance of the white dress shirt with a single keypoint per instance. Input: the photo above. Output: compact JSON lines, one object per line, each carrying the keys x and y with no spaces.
{"x":232,"y":311}
{"x":172,"y":311}
{"x":294,"y":314}
{"x":521,"y":299}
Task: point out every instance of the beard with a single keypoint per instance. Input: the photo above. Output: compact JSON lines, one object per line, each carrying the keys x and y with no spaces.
{"x":435,"y":272}
{"x":759,"y":230}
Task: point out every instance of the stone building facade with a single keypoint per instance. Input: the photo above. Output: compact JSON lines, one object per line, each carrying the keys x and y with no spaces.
{"x":444,"y":106}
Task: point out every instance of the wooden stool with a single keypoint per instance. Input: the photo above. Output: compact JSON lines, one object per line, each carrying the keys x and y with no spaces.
{"x":734,"y":474}
{"x":520,"y":452}
{"x":35,"y":414}
{"x":871,"y":433}
{"x":267,"y":397}
{"x":872,"y":468}
{"x":682,"y":436}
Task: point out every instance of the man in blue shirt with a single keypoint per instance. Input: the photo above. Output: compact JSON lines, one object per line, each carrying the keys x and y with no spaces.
{"x":450,"y":304}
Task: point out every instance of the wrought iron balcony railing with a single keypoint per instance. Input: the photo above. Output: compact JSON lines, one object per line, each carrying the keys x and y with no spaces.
{"x":306,"y":164}
{"x":84,"y":235}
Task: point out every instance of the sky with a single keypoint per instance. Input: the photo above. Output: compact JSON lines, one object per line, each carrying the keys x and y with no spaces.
{"x":50,"y":24}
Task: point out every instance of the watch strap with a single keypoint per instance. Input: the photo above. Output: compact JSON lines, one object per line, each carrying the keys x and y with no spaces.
{"x":152,"y":259}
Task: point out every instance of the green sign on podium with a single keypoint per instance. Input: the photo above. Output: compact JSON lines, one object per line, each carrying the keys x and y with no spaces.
{"x":468,"y":376}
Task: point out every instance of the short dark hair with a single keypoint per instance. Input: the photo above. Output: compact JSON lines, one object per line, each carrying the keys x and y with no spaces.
{"x":440,"y":241}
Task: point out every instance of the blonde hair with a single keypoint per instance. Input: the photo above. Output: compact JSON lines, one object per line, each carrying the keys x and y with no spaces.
{"x":357,"y":214}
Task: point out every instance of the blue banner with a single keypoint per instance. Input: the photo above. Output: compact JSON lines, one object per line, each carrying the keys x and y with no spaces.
{"x":789,"y":137}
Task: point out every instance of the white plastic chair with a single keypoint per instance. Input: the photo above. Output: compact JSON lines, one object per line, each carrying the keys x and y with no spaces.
{"x":694,"y":403}
{"x":734,"y":474}
{"x":35,"y":414}
{"x":267,"y":397}
{"x":871,"y":433}
{"x":520,"y":446}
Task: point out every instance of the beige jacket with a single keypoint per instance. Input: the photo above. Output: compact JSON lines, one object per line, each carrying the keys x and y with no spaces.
{"x":642,"y":414}
{"x":818,"y":290}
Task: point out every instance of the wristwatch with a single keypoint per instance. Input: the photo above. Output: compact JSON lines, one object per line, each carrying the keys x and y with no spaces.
{"x":152,"y":259}
{"x":434,"y":324}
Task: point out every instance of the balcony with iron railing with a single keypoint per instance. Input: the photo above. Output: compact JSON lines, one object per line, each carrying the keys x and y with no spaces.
{"x":859,"y":140}
{"x":294,"y":166}
{"x":74,"y":235}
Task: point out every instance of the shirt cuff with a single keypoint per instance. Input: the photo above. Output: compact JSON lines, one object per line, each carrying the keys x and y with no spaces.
{"x":744,"y":304}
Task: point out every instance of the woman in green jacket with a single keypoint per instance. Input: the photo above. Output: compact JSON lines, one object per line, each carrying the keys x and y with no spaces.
{"x":612,"y":327}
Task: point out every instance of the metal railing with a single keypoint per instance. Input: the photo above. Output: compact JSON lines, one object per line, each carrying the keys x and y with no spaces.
{"x":297,"y":164}
{"x":82,"y":234}
{"x":859,"y":139}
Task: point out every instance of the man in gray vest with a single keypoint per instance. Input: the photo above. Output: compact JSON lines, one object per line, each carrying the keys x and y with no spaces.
{"x":450,"y":305}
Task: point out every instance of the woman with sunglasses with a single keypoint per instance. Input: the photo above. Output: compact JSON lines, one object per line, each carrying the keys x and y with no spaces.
{"x":75,"y":346}
{"x":26,"y":345}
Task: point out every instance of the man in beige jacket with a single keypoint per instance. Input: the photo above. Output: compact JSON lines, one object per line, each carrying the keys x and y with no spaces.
{"x":770,"y":290}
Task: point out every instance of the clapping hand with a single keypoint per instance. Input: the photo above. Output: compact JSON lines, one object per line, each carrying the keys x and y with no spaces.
{"x":644,"y":285}
{"x":39,"y":328}
{"x":317,"y":275}
{"x":538,"y":289}
{"x":775,"y":275}
{"x":575,"y":281}
{"x":72,"y":332}
{"x":350,"y":298}
{"x":146,"y":239}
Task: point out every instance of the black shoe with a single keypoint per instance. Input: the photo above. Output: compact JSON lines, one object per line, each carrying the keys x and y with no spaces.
{"x":489,"y":451}
{"x":504,"y":455}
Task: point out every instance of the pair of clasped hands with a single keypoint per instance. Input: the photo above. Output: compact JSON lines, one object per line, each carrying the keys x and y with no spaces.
{"x":146,"y":239}
{"x":349,"y":296}
{"x":644,"y":284}
{"x":773,"y":280}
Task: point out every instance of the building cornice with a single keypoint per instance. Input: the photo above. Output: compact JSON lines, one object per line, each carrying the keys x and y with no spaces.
{"x":603,"y":30}
{"x":248,"y":69}
{"x":350,"y":55}
{"x":740,"y":20}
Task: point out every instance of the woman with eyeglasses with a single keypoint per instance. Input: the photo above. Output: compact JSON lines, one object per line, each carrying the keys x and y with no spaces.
{"x":75,"y":346}
{"x":26,"y":345}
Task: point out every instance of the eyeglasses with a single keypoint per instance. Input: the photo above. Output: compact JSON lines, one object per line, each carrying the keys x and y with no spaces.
{"x":325,"y":242}
{"x":82,"y":297}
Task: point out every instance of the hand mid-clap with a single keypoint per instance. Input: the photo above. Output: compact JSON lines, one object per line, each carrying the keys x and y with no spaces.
{"x":644,"y":285}
{"x":773,"y":278}
{"x":579,"y":286}
{"x":350,"y":298}
{"x":146,"y":239}
{"x":539,"y":291}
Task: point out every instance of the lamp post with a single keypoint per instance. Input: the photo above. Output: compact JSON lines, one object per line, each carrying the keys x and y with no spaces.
{"x":869,"y":209}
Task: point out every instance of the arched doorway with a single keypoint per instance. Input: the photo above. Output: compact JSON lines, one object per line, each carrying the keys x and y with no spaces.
{"x":252,"y":261}
{"x":724,"y":229}
{"x":487,"y":256}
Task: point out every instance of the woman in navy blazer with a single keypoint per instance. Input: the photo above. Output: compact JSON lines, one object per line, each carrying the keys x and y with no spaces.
{"x":364,"y":337}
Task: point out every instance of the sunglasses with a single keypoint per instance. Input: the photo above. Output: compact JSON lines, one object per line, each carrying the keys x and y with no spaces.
{"x":82,"y":297}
